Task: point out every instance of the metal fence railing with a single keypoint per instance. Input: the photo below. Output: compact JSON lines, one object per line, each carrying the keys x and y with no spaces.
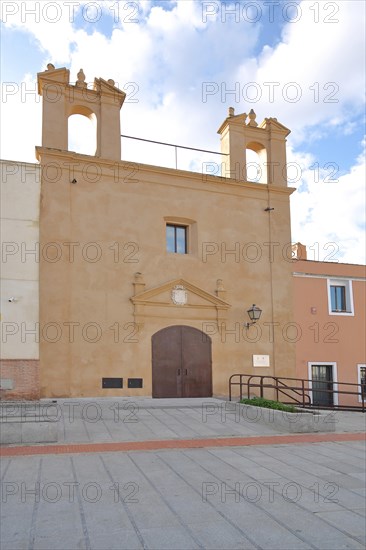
{"x":301,"y":392}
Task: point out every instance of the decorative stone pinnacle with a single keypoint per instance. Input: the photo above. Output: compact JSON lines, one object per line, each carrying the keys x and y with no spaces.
{"x":50,"y":67}
{"x":220,"y":289}
{"x":220,"y":284}
{"x":231,"y":111}
{"x":139,"y":283}
{"x":111,"y":81}
{"x":252,"y":117}
{"x":80,"y":83}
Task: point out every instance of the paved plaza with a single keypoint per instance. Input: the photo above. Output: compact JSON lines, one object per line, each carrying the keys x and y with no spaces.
{"x":280,"y":492}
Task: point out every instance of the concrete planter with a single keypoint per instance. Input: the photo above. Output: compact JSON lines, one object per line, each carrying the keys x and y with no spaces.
{"x":301,"y":421}
{"x":25,"y":423}
{"x":17,"y":431}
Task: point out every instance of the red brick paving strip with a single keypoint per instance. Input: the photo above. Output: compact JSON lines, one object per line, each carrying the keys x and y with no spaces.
{"x":177,"y":444}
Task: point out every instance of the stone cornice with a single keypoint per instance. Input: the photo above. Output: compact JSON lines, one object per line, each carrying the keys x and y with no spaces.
{"x":227,"y":185}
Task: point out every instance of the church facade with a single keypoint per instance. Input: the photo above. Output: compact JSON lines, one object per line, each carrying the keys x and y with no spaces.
{"x":146,"y":273}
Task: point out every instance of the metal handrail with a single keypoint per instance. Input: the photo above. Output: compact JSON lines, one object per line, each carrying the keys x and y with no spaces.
{"x":261,"y":385}
{"x":300,"y":390}
{"x":176,"y":147}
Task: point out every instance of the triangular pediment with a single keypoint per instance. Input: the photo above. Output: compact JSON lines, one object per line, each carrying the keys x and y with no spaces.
{"x":233,"y":119}
{"x":274,"y":124}
{"x":109,"y":88}
{"x":195,"y":296}
{"x":52,"y":75}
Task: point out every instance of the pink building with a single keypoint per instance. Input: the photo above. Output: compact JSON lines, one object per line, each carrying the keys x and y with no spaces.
{"x":330,"y":311}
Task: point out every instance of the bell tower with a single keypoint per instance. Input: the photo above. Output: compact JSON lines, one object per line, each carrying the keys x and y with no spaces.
{"x":268,"y":140}
{"x":62,"y":99}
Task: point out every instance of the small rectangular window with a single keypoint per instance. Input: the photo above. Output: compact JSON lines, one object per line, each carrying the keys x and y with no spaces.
{"x":176,"y":239}
{"x":340,"y":297}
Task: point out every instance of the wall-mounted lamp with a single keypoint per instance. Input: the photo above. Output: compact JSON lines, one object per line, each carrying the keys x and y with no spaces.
{"x":254,"y":315}
{"x":12,"y":299}
{"x":74,"y":181}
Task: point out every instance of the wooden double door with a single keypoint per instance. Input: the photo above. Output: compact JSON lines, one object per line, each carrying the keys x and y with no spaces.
{"x":181,"y":363}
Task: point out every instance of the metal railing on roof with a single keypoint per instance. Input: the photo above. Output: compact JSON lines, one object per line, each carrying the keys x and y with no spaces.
{"x":176,"y":147}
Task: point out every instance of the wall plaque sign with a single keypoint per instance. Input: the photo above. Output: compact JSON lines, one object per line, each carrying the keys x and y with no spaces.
{"x":260,"y":360}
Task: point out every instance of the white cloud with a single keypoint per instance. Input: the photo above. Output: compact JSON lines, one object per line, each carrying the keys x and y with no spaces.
{"x":323,"y":60}
{"x":331,"y":211}
{"x":50,"y":23}
{"x":21,"y":120}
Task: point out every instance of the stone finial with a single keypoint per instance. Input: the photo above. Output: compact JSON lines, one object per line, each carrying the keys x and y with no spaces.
{"x":220,"y":289}
{"x":80,"y":83}
{"x":111,"y":81}
{"x":252,"y":117}
{"x":231,"y":111}
{"x":299,"y":251}
{"x":50,"y":67}
{"x":139,"y":283}
{"x":220,"y":284}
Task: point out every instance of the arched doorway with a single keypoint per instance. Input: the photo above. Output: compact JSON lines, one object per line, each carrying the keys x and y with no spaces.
{"x":181,"y":363}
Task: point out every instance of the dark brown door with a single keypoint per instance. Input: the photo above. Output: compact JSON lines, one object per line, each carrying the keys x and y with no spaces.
{"x":322,"y":385}
{"x":181,"y":363}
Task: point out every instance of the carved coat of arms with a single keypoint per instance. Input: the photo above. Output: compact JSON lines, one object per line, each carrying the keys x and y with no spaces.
{"x":179,"y":295}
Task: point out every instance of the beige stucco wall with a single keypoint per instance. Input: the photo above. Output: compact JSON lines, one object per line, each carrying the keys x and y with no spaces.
{"x":20,"y":198}
{"x":134,"y":209}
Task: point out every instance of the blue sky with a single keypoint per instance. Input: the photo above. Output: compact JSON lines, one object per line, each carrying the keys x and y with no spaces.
{"x":310,"y":54}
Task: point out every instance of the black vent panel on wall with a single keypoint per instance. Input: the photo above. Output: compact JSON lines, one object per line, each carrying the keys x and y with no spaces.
{"x":112,"y":382}
{"x":135,"y":382}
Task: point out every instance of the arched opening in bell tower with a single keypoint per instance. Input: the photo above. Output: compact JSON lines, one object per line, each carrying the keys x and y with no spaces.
{"x":256,"y":162}
{"x":82,"y":131}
